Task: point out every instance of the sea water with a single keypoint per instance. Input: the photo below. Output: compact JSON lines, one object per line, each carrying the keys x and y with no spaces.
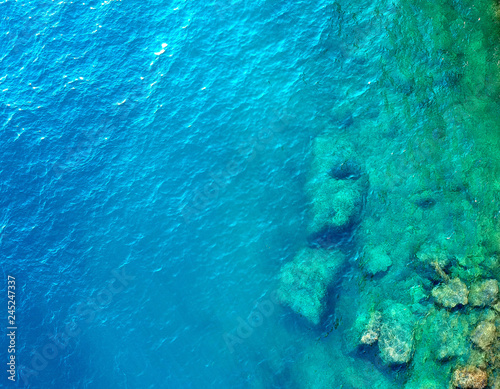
{"x":154,"y":158}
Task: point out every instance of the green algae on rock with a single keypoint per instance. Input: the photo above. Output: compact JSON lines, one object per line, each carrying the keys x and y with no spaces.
{"x":483,"y":293}
{"x":434,"y":257}
{"x":305,"y":280}
{"x":484,"y":335}
{"x":451,"y":294}
{"x":396,"y":334}
{"x":470,"y":377}
{"x":365,"y":330}
{"x":446,"y":337}
{"x":375,"y":260}
{"x":336,"y":186}
{"x":440,"y":340}
{"x":323,"y":366}
{"x":425,"y":383}
{"x":372,"y":331}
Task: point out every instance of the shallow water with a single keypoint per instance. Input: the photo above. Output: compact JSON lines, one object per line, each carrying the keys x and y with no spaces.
{"x":186,"y":170}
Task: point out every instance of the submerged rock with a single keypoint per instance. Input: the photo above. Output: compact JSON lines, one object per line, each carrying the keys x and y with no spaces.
{"x":484,"y":335}
{"x":375,"y":260}
{"x":450,"y":336}
{"x":365,"y":329}
{"x":336,"y":186}
{"x":334,"y":206}
{"x":478,"y":358}
{"x":346,"y":170}
{"x":372,"y":332}
{"x":451,"y":294}
{"x":434,"y":252}
{"x":305,"y":280}
{"x":433,"y":260}
{"x":470,"y":377}
{"x":369,"y":337}
{"x":483,"y":293}
{"x":396,"y":335}
{"x":418,"y":294}
{"x":424,"y":200}
{"x":424,"y":383}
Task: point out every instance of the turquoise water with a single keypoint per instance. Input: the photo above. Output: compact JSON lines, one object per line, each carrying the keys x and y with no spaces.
{"x":151,"y":199}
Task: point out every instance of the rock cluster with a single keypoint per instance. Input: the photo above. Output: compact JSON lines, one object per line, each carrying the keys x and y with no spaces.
{"x":428,"y":294}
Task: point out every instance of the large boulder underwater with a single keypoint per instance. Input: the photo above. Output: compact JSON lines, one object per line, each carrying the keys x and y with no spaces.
{"x":396,"y":341}
{"x":336,"y":187}
{"x":304,"y":282}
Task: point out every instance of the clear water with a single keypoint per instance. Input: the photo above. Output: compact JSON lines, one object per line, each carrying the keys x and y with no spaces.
{"x":185,"y":171}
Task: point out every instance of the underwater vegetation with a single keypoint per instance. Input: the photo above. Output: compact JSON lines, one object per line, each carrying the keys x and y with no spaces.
{"x":417,"y":191}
